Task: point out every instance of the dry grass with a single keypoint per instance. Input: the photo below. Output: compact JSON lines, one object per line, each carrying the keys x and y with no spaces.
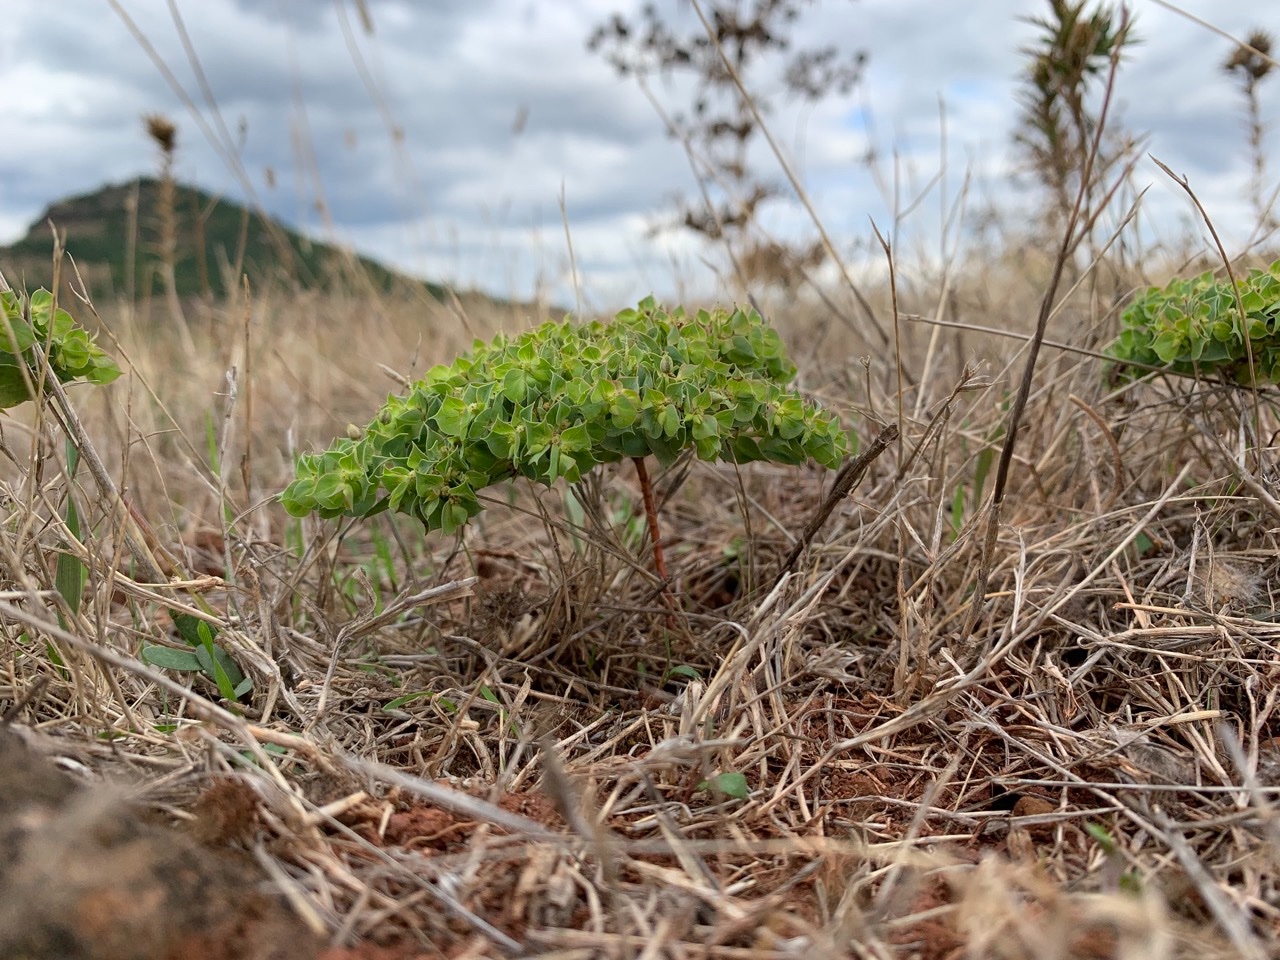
{"x":504,"y":745}
{"x":497,"y":745}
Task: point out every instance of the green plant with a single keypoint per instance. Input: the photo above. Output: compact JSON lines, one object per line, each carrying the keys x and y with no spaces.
{"x":730,"y":784}
{"x":70,"y":573}
{"x":563,"y":398}
{"x":71,"y":355}
{"x":204,"y":657}
{"x":69,"y":348}
{"x":1115,"y":873}
{"x":1193,"y":327}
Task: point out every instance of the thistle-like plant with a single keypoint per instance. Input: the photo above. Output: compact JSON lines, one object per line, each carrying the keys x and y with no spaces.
{"x":1251,"y":63}
{"x":1074,"y":45}
{"x":563,"y":398}
{"x":1194,"y":327}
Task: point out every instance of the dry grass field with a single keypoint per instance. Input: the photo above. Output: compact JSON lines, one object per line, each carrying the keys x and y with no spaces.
{"x":1051,"y":737}
{"x":498,"y":744}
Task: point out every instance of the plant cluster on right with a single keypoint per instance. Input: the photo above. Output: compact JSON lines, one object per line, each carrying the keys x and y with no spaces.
{"x":1193,"y":328}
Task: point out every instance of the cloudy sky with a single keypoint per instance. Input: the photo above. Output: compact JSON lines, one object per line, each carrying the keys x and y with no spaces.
{"x":443,"y":140}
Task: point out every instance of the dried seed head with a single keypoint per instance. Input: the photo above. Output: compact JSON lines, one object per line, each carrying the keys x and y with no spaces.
{"x":1229,"y":584}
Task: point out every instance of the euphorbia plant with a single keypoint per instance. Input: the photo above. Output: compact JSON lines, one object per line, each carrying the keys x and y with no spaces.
{"x":38,"y":336}
{"x":1194,"y":327}
{"x":69,"y":348}
{"x":563,"y":398}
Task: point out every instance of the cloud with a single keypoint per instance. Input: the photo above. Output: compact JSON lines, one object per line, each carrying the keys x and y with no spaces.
{"x":442,"y":140}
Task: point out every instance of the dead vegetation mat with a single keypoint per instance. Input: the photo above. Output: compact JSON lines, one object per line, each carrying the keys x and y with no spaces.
{"x":506,"y":745}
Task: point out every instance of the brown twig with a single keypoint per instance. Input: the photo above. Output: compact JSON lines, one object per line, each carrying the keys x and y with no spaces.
{"x":1235,"y":288}
{"x":801,"y":194}
{"x":1070,"y":239}
{"x":848,"y":477}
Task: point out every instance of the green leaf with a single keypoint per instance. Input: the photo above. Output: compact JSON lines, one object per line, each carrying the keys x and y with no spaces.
{"x":41,"y":303}
{"x":454,"y":516}
{"x":576,"y":439}
{"x":217,"y":664}
{"x":1102,"y":835}
{"x":331,"y":491}
{"x":13,"y":382}
{"x":184,"y":661}
{"x":706,"y":426}
{"x":707,"y":448}
{"x":554,"y":472}
{"x":70,"y":574}
{"x":1168,"y":345}
{"x":957,"y":510}
{"x":733,"y":785}
{"x":452,"y":418}
{"x":625,"y":409}
{"x":189,"y":628}
{"x":741,"y":351}
{"x":684,"y":670}
{"x":407,"y":698}
{"x":18,"y":337}
{"x":298,"y":498}
{"x":104,"y":371}
{"x":670,"y":421}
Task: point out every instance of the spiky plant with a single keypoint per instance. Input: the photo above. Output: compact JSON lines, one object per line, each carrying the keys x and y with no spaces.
{"x":1250,"y":63}
{"x":1073,"y":51}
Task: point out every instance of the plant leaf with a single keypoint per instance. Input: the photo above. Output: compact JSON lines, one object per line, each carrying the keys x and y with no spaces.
{"x":184,"y":661}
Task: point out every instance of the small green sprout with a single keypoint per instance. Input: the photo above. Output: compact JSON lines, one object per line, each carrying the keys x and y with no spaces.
{"x":564,"y":398}
{"x":730,"y":784}
{"x":1193,"y":327}
{"x":203,"y":656}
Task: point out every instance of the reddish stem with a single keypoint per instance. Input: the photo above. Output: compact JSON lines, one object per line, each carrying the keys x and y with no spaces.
{"x":651,"y":515}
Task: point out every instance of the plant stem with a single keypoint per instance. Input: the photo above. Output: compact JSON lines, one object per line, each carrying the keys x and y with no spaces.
{"x":655,"y":536}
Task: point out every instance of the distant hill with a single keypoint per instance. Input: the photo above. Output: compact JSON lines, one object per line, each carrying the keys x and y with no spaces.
{"x":116,"y":235}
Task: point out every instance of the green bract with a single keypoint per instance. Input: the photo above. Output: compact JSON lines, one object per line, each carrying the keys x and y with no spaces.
{"x":561,"y":399}
{"x":1193,"y":327}
{"x":71,"y":351}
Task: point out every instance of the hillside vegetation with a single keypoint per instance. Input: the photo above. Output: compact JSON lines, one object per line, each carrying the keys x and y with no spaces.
{"x":115,"y":235}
